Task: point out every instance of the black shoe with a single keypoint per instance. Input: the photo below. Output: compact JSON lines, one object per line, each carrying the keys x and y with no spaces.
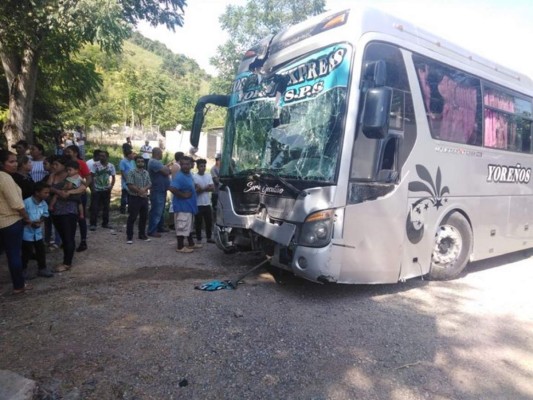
{"x":210,"y":240}
{"x":82,"y":247}
{"x":145,"y":238}
{"x":45,"y":272}
{"x":107,"y":226}
{"x":164,"y":230}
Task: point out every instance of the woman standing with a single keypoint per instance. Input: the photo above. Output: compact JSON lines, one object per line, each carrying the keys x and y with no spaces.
{"x":23,"y":176}
{"x":12,"y":219}
{"x":65,"y":213}
{"x":73,"y":153}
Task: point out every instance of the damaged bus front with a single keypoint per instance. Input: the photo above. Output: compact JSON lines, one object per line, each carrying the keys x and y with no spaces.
{"x":280,"y":159}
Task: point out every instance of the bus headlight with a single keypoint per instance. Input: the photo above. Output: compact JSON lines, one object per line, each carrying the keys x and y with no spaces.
{"x":317,"y":228}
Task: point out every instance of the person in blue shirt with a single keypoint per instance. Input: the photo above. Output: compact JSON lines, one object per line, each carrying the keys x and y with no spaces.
{"x":159,"y":176}
{"x":184,"y":205}
{"x":32,"y":238}
{"x":125,"y":166}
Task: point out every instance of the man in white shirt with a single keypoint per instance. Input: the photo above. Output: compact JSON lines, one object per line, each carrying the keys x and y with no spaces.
{"x":204,"y":186}
{"x":146,"y":152}
{"x":96,"y":157}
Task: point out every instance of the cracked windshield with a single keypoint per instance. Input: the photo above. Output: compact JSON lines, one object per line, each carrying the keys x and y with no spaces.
{"x":292,"y":125}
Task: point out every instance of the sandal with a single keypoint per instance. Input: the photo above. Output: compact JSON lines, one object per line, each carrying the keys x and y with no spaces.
{"x":27,"y":286}
{"x":62,"y":268}
{"x":185,"y":250}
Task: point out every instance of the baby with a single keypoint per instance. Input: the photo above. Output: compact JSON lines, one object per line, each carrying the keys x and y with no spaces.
{"x":73,"y":181}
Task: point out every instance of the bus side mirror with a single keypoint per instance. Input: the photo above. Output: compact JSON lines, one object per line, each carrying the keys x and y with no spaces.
{"x":376,"y":112}
{"x":199,"y":113}
{"x":197,"y":122}
{"x":376,"y":72}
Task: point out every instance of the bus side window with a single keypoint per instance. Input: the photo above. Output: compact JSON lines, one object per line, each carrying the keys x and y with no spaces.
{"x":381,"y":159}
{"x":507,"y":120}
{"x":452,"y":99}
{"x":388,"y":171}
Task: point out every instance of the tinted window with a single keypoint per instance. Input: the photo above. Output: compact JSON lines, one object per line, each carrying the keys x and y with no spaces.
{"x":452,"y":100}
{"x":507,"y":120}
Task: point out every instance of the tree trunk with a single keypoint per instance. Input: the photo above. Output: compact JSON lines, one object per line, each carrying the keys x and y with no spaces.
{"x":21,"y":76}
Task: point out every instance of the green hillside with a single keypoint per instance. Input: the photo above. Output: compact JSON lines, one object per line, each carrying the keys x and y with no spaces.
{"x":138,"y":56}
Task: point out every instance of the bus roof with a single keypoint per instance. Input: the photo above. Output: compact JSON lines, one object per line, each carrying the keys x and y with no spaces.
{"x":362,"y":20}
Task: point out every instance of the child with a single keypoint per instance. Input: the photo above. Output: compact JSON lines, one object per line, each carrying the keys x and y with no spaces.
{"x":32,"y":239}
{"x":73,"y":181}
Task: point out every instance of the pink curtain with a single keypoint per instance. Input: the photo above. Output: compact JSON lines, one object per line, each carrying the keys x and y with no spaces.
{"x":499,"y":131}
{"x":458,"y":119}
{"x":459,"y":112}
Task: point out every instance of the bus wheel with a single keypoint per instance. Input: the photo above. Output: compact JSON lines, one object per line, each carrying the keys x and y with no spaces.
{"x":453,"y":245}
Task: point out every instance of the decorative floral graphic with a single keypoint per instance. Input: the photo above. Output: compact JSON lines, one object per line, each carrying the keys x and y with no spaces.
{"x":435,"y":198}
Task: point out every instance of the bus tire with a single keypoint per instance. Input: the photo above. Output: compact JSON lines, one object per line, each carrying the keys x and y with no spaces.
{"x":452,"y":248}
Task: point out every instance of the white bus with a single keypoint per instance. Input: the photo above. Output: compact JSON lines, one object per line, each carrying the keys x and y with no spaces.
{"x":361,"y":149}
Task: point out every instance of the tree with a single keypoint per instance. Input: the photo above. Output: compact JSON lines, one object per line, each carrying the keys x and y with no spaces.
{"x":37,"y":31}
{"x":248,"y":24}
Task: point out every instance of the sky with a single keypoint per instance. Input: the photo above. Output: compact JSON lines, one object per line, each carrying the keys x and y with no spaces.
{"x":499,"y":30}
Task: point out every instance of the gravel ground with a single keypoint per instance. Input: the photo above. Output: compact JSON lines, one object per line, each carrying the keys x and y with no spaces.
{"x":126,"y":323}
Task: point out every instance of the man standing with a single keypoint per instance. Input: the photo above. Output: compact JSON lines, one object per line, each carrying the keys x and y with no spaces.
{"x":125,"y":166}
{"x":159,"y":174}
{"x":127,"y":146}
{"x":102,"y":171}
{"x":146,"y":152}
{"x":184,"y":204}
{"x":79,"y":139}
{"x":138,"y":185}
{"x":203,"y":185}
{"x":96,"y":157}
{"x":21,"y":147}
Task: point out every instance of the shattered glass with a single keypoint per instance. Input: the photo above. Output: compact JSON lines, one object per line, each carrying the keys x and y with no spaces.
{"x":300,"y":140}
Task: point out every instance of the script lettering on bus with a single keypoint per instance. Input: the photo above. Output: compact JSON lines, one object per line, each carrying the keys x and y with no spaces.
{"x":257,"y":187}
{"x":508,"y":174}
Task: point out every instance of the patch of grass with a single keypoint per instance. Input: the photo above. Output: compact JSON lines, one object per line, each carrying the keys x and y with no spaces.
{"x":141,"y":57}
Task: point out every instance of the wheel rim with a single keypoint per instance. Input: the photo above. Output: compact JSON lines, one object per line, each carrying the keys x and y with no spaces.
{"x":448,"y":245}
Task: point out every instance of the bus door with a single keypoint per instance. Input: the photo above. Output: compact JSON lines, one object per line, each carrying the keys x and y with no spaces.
{"x":374,"y":224}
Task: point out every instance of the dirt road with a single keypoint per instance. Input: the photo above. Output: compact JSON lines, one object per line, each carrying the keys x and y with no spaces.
{"x":126,"y":323}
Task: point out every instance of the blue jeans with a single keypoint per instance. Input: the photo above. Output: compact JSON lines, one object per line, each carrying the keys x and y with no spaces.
{"x":156,"y":219}
{"x":11,"y":238}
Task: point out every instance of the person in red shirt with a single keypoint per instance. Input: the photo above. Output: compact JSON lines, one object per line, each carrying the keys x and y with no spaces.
{"x":73,"y":152}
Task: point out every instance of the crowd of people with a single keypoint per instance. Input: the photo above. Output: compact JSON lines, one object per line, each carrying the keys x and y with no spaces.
{"x":44,"y":199}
